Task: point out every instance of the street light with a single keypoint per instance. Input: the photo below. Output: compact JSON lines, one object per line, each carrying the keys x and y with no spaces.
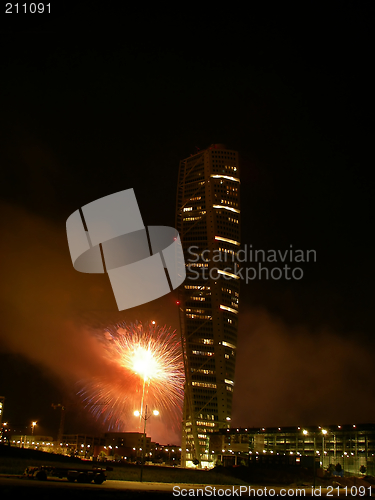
{"x":33,"y":424}
{"x":305,"y":433}
{"x":324,"y":432}
{"x":145,"y":418}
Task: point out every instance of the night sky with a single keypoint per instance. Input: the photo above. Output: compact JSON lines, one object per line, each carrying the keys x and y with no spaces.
{"x":98,"y":104}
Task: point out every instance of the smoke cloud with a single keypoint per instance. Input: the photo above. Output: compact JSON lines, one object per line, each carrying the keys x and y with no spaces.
{"x":296,"y":376}
{"x":51,"y":314}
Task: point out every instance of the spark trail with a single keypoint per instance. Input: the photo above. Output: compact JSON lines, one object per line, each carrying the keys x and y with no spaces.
{"x":145,"y":367}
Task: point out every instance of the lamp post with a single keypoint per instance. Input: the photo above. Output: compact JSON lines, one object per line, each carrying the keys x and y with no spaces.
{"x":33,"y":424}
{"x":145,"y":418}
{"x":62,"y":418}
{"x":324,"y":432}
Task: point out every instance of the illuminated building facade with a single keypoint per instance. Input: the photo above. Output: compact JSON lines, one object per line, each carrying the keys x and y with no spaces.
{"x":128,"y":444}
{"x":3,"y":427}
{"x":2,"y":399}
{"x":208,"y":221}
{"x":352,"y":446}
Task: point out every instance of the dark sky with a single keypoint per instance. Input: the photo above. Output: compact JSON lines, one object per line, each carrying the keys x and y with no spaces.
{"x":97,"y":103}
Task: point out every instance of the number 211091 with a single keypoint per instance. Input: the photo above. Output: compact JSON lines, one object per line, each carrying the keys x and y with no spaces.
{"x":33,"y":8}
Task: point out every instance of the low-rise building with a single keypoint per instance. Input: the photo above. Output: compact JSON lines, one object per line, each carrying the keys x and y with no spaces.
{"x":350,"y":445}
{"x":128,"y":445}
{"x":33,"y":441}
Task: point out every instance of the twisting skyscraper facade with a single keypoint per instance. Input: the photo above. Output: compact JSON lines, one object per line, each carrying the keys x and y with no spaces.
{"x":208,"y":220}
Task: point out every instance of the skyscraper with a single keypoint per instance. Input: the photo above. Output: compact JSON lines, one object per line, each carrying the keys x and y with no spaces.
{"x":208,"y":221}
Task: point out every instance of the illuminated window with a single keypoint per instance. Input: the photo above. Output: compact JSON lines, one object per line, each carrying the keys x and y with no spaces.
{"x":227,"y":177}
{"x":231,"y":275}
{"x":191,"y":218}
{"x":227,"y":240}
{"x":206,"y":424}
{"x":198,"y":316}
{"x":204,"y":384}
{"x":227,"y":208}
{"x":228,"y":344}
{"x":205,"y":372}
{"x":226,"y":308}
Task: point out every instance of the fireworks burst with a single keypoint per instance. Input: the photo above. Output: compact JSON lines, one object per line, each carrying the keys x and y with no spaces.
{"x":145,"y":368}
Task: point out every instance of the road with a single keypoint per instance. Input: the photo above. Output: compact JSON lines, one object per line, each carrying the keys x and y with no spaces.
{"x":11,"y":486}
{"x":61,"y":488}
